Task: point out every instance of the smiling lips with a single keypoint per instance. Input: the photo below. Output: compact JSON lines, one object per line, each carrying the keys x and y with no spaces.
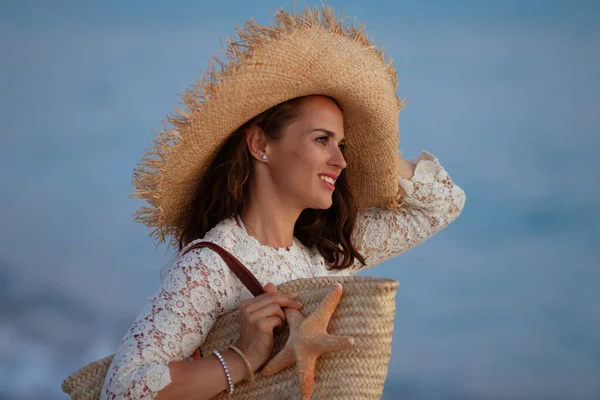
{"x":328,"y":180}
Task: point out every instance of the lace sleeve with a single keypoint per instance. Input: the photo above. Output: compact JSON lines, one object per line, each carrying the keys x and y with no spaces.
{"x":431,"y":202}
{"x":174,"y":322}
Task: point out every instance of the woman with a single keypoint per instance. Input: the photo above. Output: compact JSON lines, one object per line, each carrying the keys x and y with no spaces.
{"x":278,"y":192}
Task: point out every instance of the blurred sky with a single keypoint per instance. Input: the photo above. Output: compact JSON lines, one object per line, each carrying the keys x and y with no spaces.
{"x":503,"y":304}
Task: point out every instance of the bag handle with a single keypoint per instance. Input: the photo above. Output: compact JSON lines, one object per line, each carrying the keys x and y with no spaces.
{"x":247,"y":278}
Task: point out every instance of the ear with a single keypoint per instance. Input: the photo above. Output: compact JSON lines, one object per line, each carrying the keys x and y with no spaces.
{"x":256,"y":140}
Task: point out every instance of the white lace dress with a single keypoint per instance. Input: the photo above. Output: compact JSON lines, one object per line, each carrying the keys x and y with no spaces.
{"x":199,"y":287}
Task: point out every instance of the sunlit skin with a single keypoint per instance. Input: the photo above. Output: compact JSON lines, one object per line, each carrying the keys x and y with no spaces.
{"x":290,"y":180}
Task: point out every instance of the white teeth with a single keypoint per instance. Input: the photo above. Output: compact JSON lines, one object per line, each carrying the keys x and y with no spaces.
{"x":327,"y":179}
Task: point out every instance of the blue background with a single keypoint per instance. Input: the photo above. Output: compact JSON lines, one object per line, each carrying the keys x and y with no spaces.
{"x":503,"y":304}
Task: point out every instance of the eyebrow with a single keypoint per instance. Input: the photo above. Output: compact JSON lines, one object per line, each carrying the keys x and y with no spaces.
{"x":328,"y":133}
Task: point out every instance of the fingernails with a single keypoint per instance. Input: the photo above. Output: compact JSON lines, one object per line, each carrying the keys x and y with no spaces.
{"x":294,"y":295}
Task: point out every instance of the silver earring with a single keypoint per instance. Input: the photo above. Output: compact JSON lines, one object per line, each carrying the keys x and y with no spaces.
{"x":264,"y":156}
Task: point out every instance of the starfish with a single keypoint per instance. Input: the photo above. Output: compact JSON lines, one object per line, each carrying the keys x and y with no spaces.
{"x":308,"y":340}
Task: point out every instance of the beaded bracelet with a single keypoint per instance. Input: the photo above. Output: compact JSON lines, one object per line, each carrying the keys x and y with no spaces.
{"x":226,"y":368}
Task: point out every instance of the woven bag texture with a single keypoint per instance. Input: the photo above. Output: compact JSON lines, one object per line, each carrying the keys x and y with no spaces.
{"x":365,"y":312}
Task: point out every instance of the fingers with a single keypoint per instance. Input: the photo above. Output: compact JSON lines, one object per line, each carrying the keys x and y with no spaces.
{"x":270,"y":288}
{"x":282,"y":300}
{"x":266,"y":325}
{"x":269,"y":305}
{"x":269,"y":310}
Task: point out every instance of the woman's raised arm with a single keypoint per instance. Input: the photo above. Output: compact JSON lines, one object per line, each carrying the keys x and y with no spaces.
{"x":431,"y":202}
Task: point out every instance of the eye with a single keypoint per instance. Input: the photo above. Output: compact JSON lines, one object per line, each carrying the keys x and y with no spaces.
{"x":325,"y":139}
{"x":322,"y":140}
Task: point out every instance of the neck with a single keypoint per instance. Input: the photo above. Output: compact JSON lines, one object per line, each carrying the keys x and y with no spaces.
{"x":270,"y":219}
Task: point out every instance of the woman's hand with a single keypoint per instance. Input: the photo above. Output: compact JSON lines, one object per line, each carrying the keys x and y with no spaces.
{"x":258,"y":317}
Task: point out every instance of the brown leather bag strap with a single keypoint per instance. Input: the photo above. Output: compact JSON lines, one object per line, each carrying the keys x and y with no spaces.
{"x":247,"y":278}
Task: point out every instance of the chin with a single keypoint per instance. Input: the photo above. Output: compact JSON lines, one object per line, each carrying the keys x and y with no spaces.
{"x":322,"y":204}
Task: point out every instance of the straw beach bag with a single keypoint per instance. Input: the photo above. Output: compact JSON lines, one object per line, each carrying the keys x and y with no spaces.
{"x":365,"y":313}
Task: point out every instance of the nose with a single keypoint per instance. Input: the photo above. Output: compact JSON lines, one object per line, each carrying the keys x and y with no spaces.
{"x":337,"y":158}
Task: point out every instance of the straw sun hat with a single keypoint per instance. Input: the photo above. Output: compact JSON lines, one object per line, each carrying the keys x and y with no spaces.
{"x":310,"y":53}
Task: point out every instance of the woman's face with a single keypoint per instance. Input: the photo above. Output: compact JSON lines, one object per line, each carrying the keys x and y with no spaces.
{"x":306,"y":161}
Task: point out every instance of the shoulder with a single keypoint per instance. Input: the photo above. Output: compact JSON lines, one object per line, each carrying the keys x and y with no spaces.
{"x":204,"y":264}
{"x":221,"y":234}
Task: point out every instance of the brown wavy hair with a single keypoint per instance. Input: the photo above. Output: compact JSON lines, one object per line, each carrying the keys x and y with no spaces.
{"x":223,"y":191}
